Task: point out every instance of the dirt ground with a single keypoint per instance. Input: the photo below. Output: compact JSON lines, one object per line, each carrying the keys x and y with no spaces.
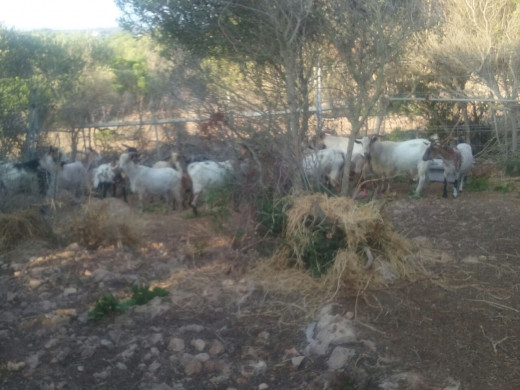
{"x":458,"y":327}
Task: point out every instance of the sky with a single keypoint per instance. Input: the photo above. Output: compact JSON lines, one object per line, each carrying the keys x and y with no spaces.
{"x":25,"y":15}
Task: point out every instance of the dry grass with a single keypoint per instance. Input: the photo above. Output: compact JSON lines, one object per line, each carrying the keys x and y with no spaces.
{"x":104,"y":223}
{"x":21,"y":225}
{"x":372,"y":255}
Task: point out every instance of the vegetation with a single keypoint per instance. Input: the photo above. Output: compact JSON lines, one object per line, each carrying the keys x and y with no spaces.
{"x":229,"y":57}
{"x":109,"y":304}
{"x":478,"y":184}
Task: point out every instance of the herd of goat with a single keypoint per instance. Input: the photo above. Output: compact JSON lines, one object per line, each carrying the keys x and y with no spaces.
{"x":181,"y":182}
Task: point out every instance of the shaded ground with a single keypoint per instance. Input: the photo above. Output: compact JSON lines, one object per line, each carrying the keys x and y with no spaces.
{"x":218,"y":329}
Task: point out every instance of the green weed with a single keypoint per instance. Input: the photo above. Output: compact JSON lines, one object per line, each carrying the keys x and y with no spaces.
{"x":478,"y":184}
{"x":505,"y":187}
{"x":109,"y":304}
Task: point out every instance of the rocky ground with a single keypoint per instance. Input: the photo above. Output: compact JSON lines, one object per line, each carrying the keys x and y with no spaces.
{"x":218,"y":328}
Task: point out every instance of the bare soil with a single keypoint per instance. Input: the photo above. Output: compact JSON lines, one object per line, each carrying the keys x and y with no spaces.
{"x":461,"y":322}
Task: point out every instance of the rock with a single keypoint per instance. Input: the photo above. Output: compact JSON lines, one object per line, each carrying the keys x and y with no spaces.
{"x":129,"y":352}
{"x":157,"y":338}
{"x":176,"y":344}
{"x":34,"y":283}
{"x":263,"y":386}
{"x":106,"y":343}
{"x":198,"y":344}
{"x":297,"y":361}
{"x":103,"y":374}
{"x":263,"y":337}
{"x":121,"y":366}
{"x":33,"y":361}
{"x":470,"y":260}
{"x":63,"y":354}
{"x":404,"y":380}
{"x":452,"y":384}
{"x":15,"y":366}
{"x":154,"y":366}
{"x":191,"y":365}
{"x":191,"y":328}
{"x":213,"y":365}
{"x":216,"y":348}
{"x":153,"y":308}
{"x":115,"y":335}
{"x":202,"y":357}
{"x":51,"y":321}
{"x":339,"y":357}
{"x":329,"y":330}
{"x":69,"y":291}
{"x":253,"y":368}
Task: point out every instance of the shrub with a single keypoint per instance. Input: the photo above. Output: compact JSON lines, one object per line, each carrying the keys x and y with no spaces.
{"x":99,"y":225}
{"x":478,"y":184}
{"x":218,"y":202}
{"x":505,"y":187}
{"x":109,"y":304}
{"x":23,"y":224}
{"x":270,"y":214}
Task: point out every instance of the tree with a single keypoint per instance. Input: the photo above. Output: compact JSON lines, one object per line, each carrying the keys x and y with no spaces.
{"x":479,"y":46}
{"x":274,"y":35}
{"x":366,"y":38}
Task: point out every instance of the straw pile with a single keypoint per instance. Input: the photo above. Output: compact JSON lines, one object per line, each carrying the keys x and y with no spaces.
{"x":364,"y":250}
{"x":21,"y":225}
{"x":105,"y":223}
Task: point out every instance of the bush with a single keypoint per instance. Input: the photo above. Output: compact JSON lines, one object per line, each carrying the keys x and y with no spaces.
{"x":109,"y":304}
{"x":218,"y":202}
{"x":99,"y":225}
{"x":505,"y":187}
{"x":270,"y":214}
{"x":23,"y":224}
{"x":478,"y":184}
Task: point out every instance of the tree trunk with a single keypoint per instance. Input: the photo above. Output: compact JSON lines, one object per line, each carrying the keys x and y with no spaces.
{"x":33,"y":130}
{"x":345,"y":181}
{"x":514,"y":128}
{"x":291,"y":76}
{"x":464,"y":109}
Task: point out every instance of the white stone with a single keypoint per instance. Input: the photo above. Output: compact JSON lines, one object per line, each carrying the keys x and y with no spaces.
{"x":339,"y":357}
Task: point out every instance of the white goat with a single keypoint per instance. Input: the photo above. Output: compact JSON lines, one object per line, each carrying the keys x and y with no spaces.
{"x":69,"y":176}
{"x":205,"y":174}
{"x":107,"y":176}
{"x":390,"y":158}
{"x":335,"y":142}
{"x":172,"y":162}
{"x":22,"y":177}
{"x":326,"y":163}
{"x":457,"y":163}
{"x":144,"y":180}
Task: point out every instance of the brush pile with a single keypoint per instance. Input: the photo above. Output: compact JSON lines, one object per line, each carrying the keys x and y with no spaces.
{"x":342,"y":244}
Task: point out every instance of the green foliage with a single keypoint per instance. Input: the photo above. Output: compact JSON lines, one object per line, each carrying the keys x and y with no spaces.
{"x":505,"y":187}
{"x":218,"y":199}
{"x":106,"y":305}
{"x":512,"y":166}
{"x":106,"y":136}
{"x":109,"y":304}
{"x":270,"y":213}
{"x":142,"y":295}
{"x":401,"y":135}
{"x":319,"y":247}
{"x":478,"y":184}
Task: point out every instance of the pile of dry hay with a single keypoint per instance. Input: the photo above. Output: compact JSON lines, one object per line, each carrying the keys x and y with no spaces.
{"x":104,"y":223}
{"x":370,"y":253}
{"x":21,"y":225}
